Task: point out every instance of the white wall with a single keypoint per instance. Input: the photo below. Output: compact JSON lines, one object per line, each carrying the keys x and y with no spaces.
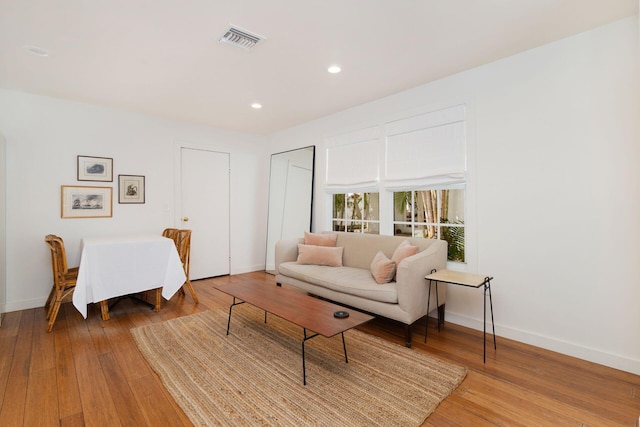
{"x":553,"y":181}
{"x":3,"y":269}
{"x":44,"y":136}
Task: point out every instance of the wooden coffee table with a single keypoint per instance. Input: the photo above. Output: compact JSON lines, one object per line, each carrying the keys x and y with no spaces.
{"x":310,"y":313}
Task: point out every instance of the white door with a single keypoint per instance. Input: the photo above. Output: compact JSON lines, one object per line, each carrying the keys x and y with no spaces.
{"x":204,"y":210}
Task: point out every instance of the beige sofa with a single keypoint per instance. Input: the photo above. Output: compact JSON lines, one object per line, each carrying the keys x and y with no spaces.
{"x":404,"y":300}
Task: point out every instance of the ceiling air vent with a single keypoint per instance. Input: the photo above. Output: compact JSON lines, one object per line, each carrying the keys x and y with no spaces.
{"x":241,"y":38}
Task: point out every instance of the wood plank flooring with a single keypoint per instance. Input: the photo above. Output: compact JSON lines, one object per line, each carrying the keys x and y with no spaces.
{"x":90,"y":373}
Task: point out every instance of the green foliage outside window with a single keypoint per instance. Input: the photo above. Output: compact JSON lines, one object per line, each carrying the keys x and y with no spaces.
{"x":425,"y":213}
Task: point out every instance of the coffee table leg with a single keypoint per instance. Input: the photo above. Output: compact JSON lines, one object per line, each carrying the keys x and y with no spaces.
{"x":306,"y":338}
{"x":304,"y":368}
{"x":230,"y":308}
{"x":346,"y":360}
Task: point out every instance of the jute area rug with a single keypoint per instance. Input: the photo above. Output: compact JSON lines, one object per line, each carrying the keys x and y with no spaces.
{"x":254,"y":375}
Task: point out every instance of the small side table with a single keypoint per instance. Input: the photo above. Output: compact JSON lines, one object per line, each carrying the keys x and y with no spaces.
{"x":469,"y":280}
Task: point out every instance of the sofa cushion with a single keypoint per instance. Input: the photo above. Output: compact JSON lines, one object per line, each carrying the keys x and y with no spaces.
{"x":326,"y":239}
{"x":348,"y":280}
{"x":319,"y":255}
{"x":382,"y":268}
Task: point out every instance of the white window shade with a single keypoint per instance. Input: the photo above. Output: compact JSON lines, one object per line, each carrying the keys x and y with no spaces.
{"x":353,"y":160}
{"x":426,"y":150}
{"x":353,"y":166}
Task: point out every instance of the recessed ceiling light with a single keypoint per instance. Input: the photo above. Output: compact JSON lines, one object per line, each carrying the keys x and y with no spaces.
{"x":35,"y":50}
{"x":256,"y":106}
{"x":334,"y":69}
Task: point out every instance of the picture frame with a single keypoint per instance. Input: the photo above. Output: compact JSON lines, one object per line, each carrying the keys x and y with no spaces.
{"x":130,"y":188}
{"x":86,"y":202}
{"x":95,"y":168}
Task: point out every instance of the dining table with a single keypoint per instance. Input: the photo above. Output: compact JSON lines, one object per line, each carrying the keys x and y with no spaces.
{"x":117,"y":266}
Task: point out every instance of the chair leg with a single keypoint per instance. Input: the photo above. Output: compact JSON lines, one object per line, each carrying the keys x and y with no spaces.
{"x":50,"y":310}
{"x":191,"y":290}
{"x":104,"y":309}
{"x":53,"y":313}
{"x":49,"y":307}
{"x":158,"y":299}
{"x":50,"y":299}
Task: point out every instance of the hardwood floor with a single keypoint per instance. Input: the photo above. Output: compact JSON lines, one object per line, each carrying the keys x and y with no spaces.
{"x":89,"y":372}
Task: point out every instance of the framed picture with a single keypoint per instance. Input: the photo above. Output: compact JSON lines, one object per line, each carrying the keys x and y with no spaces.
{"x":95,"y":168}
{"x":86,"y":202}
{"x":130,"y":189}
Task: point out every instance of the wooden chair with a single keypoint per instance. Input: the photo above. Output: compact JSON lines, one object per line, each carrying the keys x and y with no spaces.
{"x":64,"y":278}
{"x":170,"y":233}
{"x":182,"y":240}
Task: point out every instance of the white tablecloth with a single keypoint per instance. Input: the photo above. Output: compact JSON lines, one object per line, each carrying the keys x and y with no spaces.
{"x":115,"y":266}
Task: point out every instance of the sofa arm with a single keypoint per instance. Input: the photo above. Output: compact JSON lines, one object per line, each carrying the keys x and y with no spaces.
{"x":411,"y":284}
{"x":286,"y":250}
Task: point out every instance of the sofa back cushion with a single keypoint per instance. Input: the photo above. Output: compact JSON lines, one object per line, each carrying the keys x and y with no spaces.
{"x":360,"y":249}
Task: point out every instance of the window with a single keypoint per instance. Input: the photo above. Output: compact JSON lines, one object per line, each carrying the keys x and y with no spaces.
{"x":415,"y":168}
{"x":356,"y":212}
{"x":432,"y":214}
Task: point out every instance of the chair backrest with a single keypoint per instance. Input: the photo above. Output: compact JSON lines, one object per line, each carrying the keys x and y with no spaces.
{"x":183,"y":245}
{"x":170,"y":233}
{"x":58,"y":258}
{"x":182,"y":240}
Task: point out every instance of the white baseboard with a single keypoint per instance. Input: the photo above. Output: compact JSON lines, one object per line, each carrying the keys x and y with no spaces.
{"x":247,"y":269}
{"x":549,"y":343}
{"x":24,"y":304}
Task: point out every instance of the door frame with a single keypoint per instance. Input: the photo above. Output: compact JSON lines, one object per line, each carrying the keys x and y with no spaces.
{"x":177,"y":185}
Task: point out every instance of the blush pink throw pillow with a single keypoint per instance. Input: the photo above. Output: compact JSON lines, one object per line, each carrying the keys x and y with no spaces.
{"x":320,"y":255}
{"x":404,"y":250}
{"x":316,"y":239}
{"x":382,"y":268}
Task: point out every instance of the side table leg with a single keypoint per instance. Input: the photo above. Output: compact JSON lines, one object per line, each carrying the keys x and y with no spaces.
{"x":484,"y":325}
{"x":487,"y":289}
{"x":426,"y":328}
{"x":493,"y":326}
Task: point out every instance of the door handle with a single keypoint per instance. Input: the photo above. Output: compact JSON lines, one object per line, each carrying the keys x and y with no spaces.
{"x":185,"y":219}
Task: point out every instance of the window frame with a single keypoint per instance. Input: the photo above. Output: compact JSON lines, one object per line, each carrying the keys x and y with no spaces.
{"x":348,"y":221}
{"x":413,"y":223}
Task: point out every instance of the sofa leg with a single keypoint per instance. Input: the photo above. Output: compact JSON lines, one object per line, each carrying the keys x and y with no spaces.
{"x":407,"y":336}
{"x":278,"y":284}
{"x":440,"y":316}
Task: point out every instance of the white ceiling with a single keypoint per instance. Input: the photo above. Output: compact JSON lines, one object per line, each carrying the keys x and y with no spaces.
{"x":163,"y":56}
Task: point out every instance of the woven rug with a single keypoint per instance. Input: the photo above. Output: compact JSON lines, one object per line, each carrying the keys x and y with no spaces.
{"x":253,"y":376}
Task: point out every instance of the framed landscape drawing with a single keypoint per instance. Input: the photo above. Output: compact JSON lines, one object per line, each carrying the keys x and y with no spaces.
{"x":130,"y":189}
{"x":86,"y":202}
{"x":95,"y":168}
